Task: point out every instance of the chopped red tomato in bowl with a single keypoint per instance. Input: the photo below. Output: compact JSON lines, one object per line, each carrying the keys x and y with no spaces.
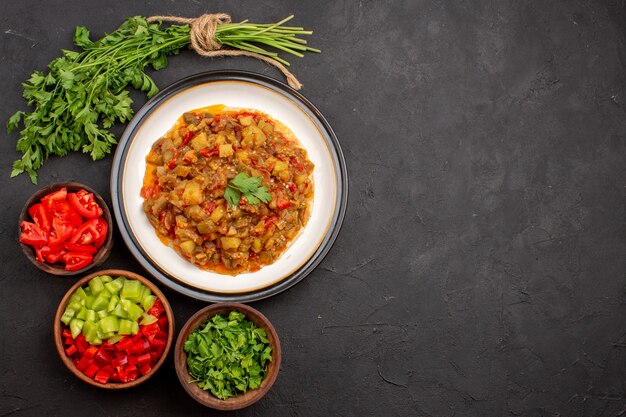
{"x":65,"y":229}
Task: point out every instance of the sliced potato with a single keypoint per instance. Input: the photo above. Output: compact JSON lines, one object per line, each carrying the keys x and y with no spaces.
{"x":193,"y":193}
{"x":230,"y":242}
{"x":217,"y":214}
{"x":226,"y":150}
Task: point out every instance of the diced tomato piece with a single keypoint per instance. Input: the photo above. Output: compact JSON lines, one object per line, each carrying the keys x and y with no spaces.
{"x":87,"y":233}
{"x":172,"y":163}
{"x":207,"y":153}
{"x":145,"y":369}
{"x":102,"y":377}
{"x":32,"y":234}
{"x":61,"y":231}
{"x":292,"y":187}
{"x":77,"y":247}
{"x":132,"y":360}
{"x":157,"y":309}
{"x":50,"y":199}
{"x":186,"y":138}
{"x":52,"y":254}
{"x":293,"y":161}
{"x":163,"y":322}
{"x":91,"y":370}
{"x":40,"y":216}
{"x":114,"y":377}
{"x":39,"y":254}
{"x":283,"y":204}
{"x":161,"y":335}
{"x":66,"y":333}
{"x":102,"y":228}
{"x":269,"y":222}
{"x":148,"y":191}
{"x":63,"y":210}
{"x":75,"y":261}
{"x":85,"y":204}
{"x":91,"y":352}
{"x":209,"y":207}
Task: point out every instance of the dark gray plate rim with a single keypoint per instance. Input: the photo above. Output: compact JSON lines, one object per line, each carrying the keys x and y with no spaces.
{"x":306,"y":106}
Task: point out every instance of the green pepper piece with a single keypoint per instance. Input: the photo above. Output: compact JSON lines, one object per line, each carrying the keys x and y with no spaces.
{"x":131,"y":290}
{"x":80,"y":293}
{"x":75,"y":305}
{"x":148,"y":319}
{"x":102,"y":314}
{"x":106,"y":278}
{"x":126,"y":327}
{"x":75,"y":299}
{"x":89,"y":300}
{"x":96,"y":285}
{"x":133,"y":310}
{"x":82,"y":314}
{"x":145,"y":291}
{"x":119,"y":311}
{"x":76,"y":326}
{"x":100,"y":303}
{"x":148,"y":301}
{"x":109,"y":324}
{"x":115,"y":286}
{"x":68,"y":315}
{"x":114,"y":339}
{"x":90,"y":331}
{"x":135,"y":328}
{"x":113,"y":302}
{"x":91,"y":316}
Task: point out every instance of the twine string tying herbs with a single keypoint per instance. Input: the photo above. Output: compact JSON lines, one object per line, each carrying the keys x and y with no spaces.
{"x":204,"y":39}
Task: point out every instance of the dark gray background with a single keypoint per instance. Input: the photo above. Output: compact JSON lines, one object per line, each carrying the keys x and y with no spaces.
{"x":480,"y":270}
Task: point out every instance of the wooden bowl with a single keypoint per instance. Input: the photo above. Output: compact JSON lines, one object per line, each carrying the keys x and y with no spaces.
{"x":205,"y":397}
{"x":58,"y":269}
{"x":58,"y":328}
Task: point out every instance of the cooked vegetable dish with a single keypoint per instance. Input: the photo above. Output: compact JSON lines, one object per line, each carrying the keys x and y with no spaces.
{"x":228,"y":189}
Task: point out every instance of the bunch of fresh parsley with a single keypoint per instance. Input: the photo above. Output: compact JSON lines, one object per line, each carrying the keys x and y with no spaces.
{"x":84,"y":94}
{"x":249,"y":187}
{"x":228,"y":355}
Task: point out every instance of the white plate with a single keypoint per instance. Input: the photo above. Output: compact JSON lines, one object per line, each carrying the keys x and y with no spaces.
{"x":236,"y":90}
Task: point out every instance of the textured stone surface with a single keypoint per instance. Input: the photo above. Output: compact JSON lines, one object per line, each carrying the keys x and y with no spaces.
{"x":480,"y":270}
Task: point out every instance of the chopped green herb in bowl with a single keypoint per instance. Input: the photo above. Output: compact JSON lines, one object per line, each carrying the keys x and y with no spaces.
{"x":227,"y":356}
